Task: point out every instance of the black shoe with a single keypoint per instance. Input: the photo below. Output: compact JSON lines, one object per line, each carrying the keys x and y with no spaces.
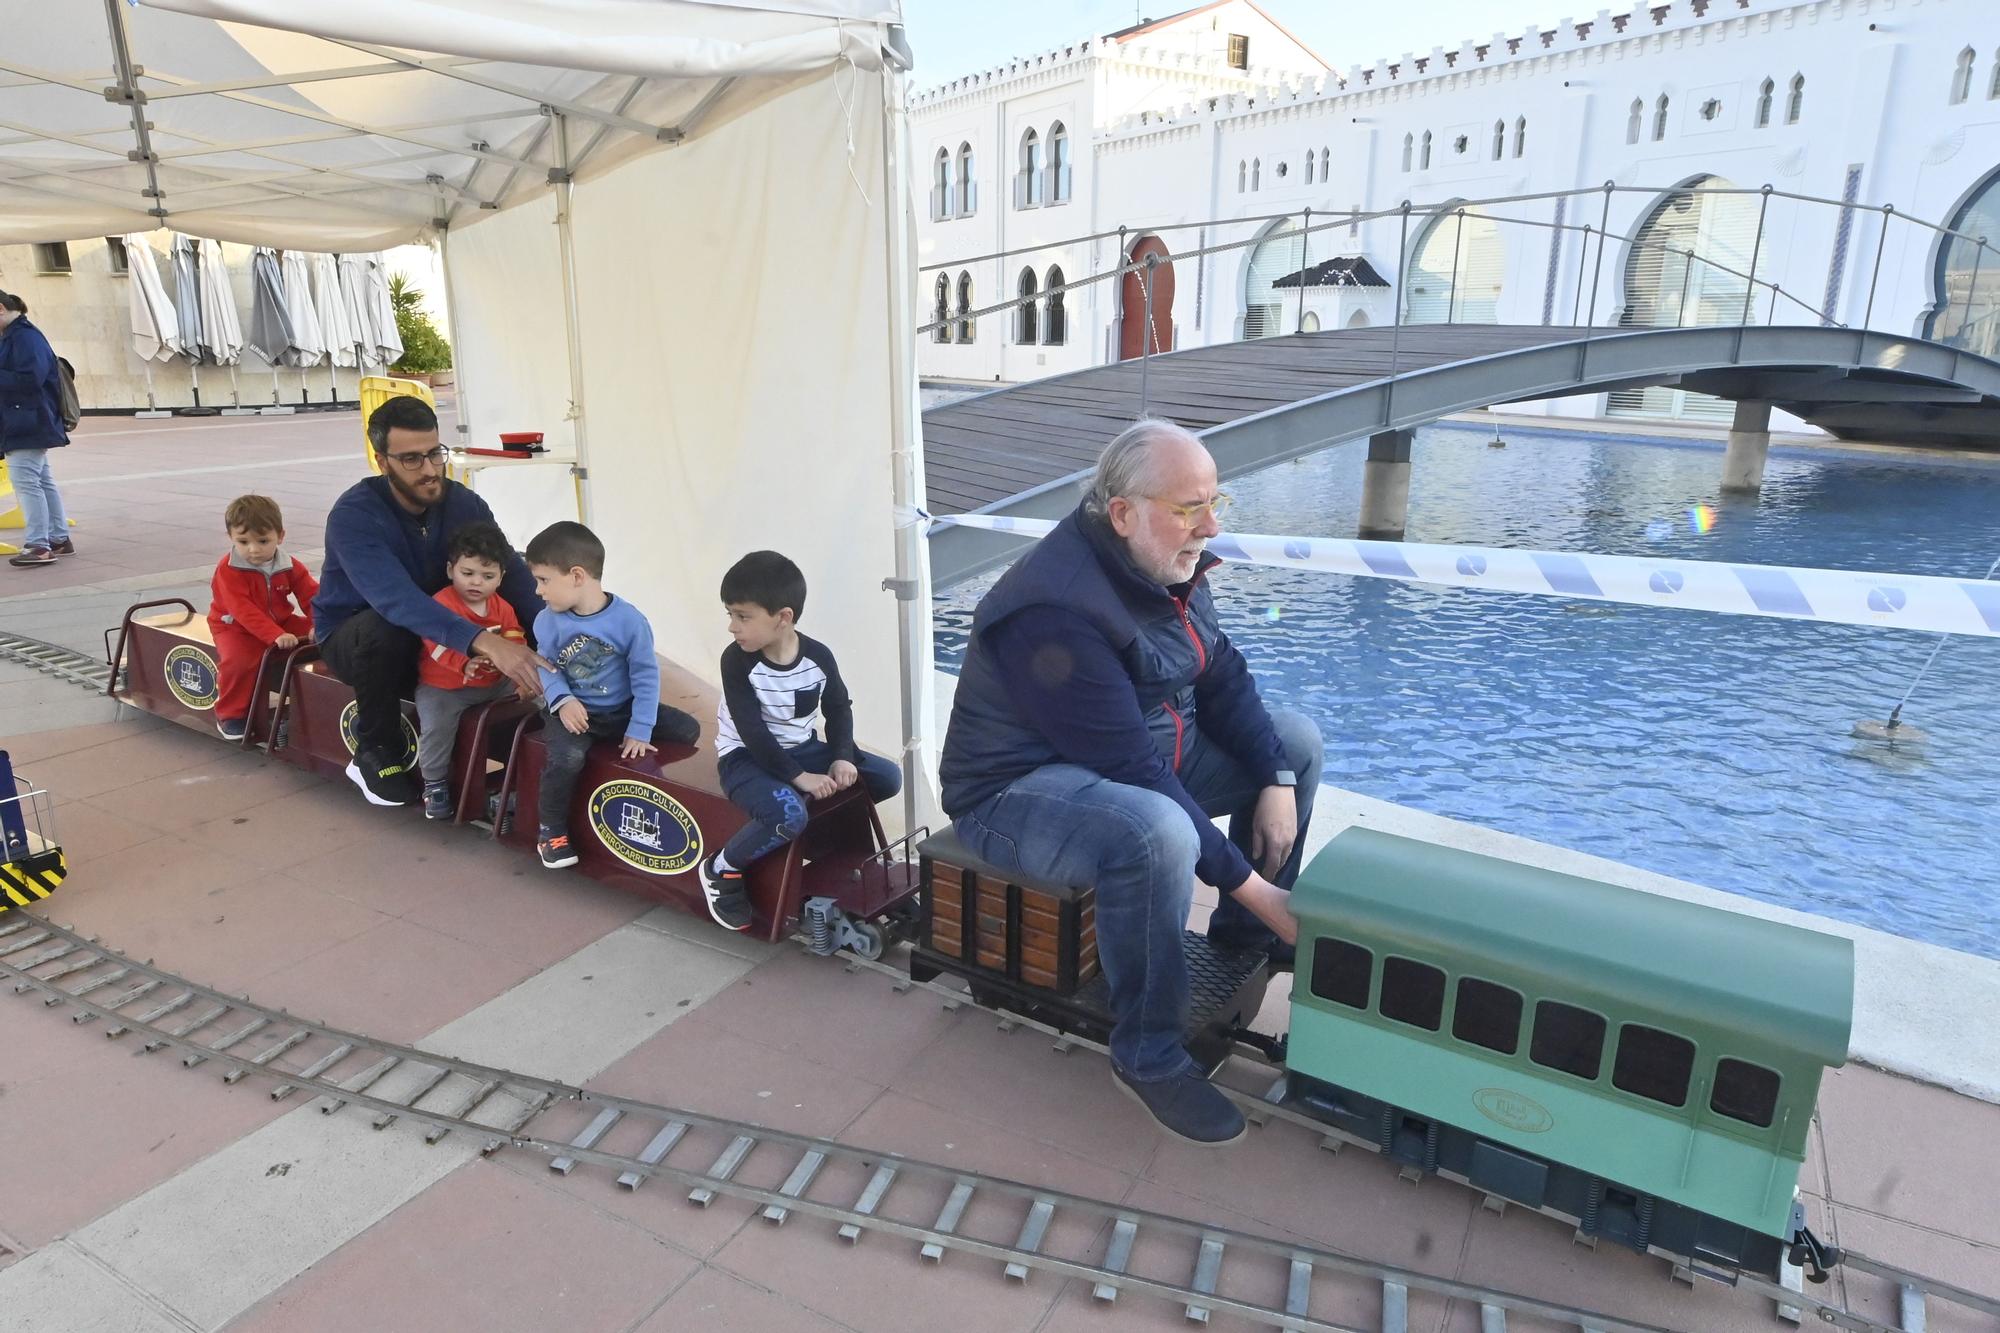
{"x":727,"y":902}
{"x":383,"y":783}
{"x":1278,"y":956}
{"x":555,"y":851}
{"x":33,"y":555}
{"x":231,"y":728}
{"x":62,"y":546}
{"x":1187,"y":1106}
{"x":437,"y":800}
{"x":675,"y":727}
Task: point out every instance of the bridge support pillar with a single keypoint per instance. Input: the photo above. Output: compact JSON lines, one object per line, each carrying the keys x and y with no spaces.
{"x":1385,"y":487}
{"x":1749,"y":442}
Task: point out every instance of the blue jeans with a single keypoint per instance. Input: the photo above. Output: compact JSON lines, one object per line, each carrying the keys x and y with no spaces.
{"x":1064,"y":824}
{"x":776,"y":808}
{"x":45,"y":524}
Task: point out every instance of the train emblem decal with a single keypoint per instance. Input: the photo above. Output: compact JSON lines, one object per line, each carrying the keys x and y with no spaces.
{"x":347,"y":731}
{"x":1512,"y":1110}
{"x":645,"y":828}
{"x":191,"y":677}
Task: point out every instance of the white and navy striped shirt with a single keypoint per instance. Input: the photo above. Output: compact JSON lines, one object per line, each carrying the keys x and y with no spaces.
{"x":769,"y":709}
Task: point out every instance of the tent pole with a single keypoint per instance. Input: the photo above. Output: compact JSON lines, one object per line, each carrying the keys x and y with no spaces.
{"x":911,"y":584}
{"x":464,"y":427}
{"x":565,"y":201}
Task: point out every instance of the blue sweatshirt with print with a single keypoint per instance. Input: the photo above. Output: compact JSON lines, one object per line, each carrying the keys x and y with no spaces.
{"x":604,"y":661}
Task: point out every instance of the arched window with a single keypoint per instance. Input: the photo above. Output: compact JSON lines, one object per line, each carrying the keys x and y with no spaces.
{"x":1028,"y":182}
{"x":968,"y":187}
{"x":1310,"y":323}
{"x":966,"y":324}
{"x":1242,"y":176}
{"x":1058,"y":187}
{"x":1961,"y":79}
{"x":1633,"y":121}
{"x":1055,"y":329}
{"x":1256,"y":174}
{"x":1796,"y":102}
{"x":1520,"y":135}
{"x":1409,"y":142}
{"x":1660,"y":118}
{"x":1024,"y":312}
{"x":1325,"y":164}
{"x":1424,"y":163}
{"x":941,"y":201}
{"x":1965,"y":292}
{"x":941,"y":311}
{"x":1499,"y":139}
{"x":1457,"y":267}
{"x":1764,"y":92}
{"x":1309,"y":167}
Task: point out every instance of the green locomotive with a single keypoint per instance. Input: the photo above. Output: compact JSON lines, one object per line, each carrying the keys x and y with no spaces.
{"x":1644,"y":1066}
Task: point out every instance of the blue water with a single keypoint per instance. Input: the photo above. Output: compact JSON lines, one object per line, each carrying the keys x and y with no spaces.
{"x":1708,"y":747}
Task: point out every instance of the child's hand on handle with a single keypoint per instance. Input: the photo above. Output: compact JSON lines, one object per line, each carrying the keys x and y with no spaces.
{"x":844,"y":774}
{"x":815,"y":785}
{"x":634,"y":749}
{"x":574,"y":716}
{"x":288,"y":640}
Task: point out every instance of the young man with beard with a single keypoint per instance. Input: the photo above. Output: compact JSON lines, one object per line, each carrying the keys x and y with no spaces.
{"x":386,"y":538}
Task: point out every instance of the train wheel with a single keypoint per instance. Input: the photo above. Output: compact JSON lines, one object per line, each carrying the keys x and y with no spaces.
{"x":866,"y":940}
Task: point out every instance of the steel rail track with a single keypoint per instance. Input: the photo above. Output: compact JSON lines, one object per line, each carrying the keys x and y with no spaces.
{"x":68,"y":664}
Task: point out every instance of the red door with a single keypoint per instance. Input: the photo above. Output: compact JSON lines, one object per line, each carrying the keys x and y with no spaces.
{"x":1132,"y":302}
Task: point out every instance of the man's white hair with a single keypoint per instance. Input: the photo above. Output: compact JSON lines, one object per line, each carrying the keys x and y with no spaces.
{"x":1126,"y":467}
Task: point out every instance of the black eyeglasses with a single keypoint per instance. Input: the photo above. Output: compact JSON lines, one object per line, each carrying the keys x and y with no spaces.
{"x":411,"y":462}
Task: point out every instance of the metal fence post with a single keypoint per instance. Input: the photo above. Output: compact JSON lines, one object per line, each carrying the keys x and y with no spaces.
{"x":1771,"y":318}
{"x":1756,"y":250}
{"x":1597,"y":273}
{"x":1305,"y":247}
{"x":1146,"y":340}
{"x":1451,"y":292}
{"x":1396,"y":329}
{"x":1687,"y":272}
{"x":1576,"y":302}
{"x":1965,"y":322}
{"x":1868,"y":311}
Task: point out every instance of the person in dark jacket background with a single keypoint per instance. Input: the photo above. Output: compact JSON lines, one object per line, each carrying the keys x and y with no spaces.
{"x":31,"y":424}
{"x":1102,"y":720}
{"x":385,"y":562}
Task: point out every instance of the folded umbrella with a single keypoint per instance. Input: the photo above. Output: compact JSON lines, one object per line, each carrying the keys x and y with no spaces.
{"x":271,"y":335}
{"x":155,"y":323}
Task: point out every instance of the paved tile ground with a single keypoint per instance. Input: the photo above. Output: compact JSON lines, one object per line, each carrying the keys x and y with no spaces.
{"x":126,"y":1175}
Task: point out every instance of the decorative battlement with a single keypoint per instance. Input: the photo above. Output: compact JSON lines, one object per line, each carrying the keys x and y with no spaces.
{"x":1137,"y":56}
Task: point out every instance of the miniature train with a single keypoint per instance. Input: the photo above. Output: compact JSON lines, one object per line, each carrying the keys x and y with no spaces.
{"x":1642,"y":1066}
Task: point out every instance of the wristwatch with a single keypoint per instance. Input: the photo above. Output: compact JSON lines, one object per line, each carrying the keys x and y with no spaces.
{"x":1284,"y":777}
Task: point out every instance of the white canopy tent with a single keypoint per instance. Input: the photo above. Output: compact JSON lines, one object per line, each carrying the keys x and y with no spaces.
{"x":676,"y":239}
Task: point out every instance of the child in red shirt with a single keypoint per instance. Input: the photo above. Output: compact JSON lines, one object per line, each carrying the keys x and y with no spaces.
{"x":259,"y":598}
{"x":448,"y":682}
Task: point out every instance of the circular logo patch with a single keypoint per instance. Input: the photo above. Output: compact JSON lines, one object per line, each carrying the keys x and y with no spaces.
{"x":347,"y":716}
{"x":644,"y":827}
{"x":1513,"y":1110}
{"x":191,"y":676}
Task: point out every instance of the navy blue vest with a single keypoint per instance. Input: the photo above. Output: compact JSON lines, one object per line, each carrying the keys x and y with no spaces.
{"x":1164,"y":636}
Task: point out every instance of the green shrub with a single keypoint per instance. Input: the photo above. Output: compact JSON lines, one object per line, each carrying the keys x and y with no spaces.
{"x":425,"y":350}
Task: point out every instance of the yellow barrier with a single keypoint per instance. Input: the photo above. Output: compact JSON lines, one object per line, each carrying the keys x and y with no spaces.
{"x":377,"y":390}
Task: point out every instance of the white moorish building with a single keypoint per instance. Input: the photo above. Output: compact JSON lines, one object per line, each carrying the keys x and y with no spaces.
{"x":1217,"y":126}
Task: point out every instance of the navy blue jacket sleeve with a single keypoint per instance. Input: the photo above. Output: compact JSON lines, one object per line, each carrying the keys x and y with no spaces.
{"x":29,"y":361}
{"x":1230,"y":713}
{"x":1068,"y":684}
{"x":367,"y":538}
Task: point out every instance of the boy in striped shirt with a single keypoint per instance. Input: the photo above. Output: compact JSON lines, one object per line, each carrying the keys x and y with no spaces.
{"x":777,"y":685}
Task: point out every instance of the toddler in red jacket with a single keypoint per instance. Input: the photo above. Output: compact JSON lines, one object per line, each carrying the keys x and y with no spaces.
{"x":259,"y":598}
{"x":449,"y":682}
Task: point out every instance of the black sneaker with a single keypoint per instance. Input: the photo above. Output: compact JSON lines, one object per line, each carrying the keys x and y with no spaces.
{"x":382,"y":783}
{"x":231,"y":728}
{"x":675,"y":727}
{"x":1187,"y":1106}
{"x":727,"y":902}
{"x":33,"y":555}
{"x":555,"y":851}
{"x":62,"y":546}
{"x":437,"y":800}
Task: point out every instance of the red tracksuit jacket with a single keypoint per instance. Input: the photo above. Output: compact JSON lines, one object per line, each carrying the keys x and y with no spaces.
{"x":260,"y":604}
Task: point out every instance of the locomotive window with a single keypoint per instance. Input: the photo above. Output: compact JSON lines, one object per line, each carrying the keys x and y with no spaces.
{"x":1487,"y":1015}
{"x":1341,"y":971}
{"x":1653,"y":1064}
{"x":1745,"y":1092}
{"x":1567,"y":1038}
{"x":1412,"y":993}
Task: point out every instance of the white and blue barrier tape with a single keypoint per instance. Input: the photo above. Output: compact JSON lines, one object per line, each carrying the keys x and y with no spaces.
{"x":1921,"y":602}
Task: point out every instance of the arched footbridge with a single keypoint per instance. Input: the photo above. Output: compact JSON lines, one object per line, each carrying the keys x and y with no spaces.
{"x":1024,"y":451}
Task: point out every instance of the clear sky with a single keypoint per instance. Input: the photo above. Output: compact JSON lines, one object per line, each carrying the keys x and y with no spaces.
{"x":954,"y":37}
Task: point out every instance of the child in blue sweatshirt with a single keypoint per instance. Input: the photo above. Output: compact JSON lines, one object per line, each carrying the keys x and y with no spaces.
{"x":606,"y":681}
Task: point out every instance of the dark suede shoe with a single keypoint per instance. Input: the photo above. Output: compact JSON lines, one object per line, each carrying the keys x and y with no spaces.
{"x":1278,"y":956}
{"x":675,"y":727}
{"x":1187,"y":1106}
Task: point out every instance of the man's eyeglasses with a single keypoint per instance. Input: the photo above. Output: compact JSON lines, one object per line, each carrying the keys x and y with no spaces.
{"x":411,"y":462}
{"x":1190,"y":514}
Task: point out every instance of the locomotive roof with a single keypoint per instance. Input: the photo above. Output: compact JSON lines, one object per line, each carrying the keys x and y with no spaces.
{"x":1787,"y":986}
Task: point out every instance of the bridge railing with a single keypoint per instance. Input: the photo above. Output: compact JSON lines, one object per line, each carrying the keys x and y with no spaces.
{"x":1734,"y":287}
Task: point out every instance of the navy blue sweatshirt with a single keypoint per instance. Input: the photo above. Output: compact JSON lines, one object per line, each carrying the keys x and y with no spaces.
{"x":380,"y":555}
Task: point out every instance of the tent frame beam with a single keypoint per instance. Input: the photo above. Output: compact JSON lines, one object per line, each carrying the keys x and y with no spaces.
{"x":334,"y":136}
{"x":128,"y":94}
{"x":262,"y":81}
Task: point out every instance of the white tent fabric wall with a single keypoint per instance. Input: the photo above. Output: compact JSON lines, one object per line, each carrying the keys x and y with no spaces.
{"x":507,"y":294}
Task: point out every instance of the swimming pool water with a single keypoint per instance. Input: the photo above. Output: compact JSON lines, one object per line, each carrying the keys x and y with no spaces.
{"x":1712,"y":748}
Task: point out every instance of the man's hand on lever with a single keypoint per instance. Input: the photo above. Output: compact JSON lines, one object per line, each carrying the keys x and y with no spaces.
{"x":516,"y":661}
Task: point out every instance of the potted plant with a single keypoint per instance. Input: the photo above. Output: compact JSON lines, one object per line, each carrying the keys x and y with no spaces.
{"x":425,"y":351}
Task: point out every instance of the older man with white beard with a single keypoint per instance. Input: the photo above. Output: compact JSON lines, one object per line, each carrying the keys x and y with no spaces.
{"x":1102,"y":721}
